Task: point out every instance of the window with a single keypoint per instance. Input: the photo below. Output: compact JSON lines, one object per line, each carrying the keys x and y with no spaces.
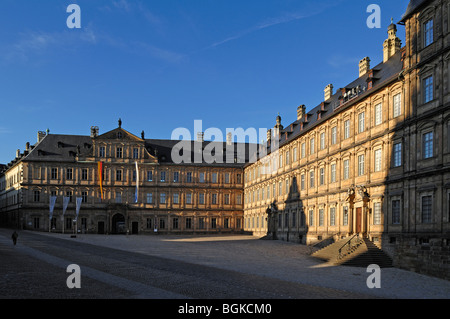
{"x":321,"y":217}
{"x":175,"y":223}
{"x":227,"y":178}
{"x":70,"y":195}
{"x":84,"y":174}
{"x":360,"y":165}
{"x":84,"y":196}
{"x":312,"y":146}
{"x":226,"y":198}
{"x":426,"y":209}
{"x":294,"y":155}
{"x":303,"y":150}
{"x":345,"y":216}
{"x":214,"y":178}
{"x":346,"y":129}
{"x":189,"y":177}
{"x":428,"y":32}
{"x":287,"y":157}
{"x":102,"y":152}
{"x":118,"y":197}
{"x":202,"y":177}
{"x":302,"y":182}
{"x":361,"y":122}
{"x":188,"y":198}
{"x":214,"y":198}
{"x":321,"y":176}
{"x":188,"y":222}
{"x":397,"y":105}
{"x":333,"y":173}
{"x":201,"y":198}
{"x":396,"y":211}
{"x":322,"y":140}
{"x":378,"y":114}
{"x":332,"y":216}
{"x":163,"y":176}
{"x":280,"y":188}
{"x":37,"y":196}
{"x":377,"y":213}
{"x":119,"y":152}
{"x":201,"y":222}
{"x":427,"y":140}
{"x":162,"y":198}
{"x":311,"y":217}
{"x":149,"y":223}
{"x":149,"y":198}
{"x":238,"y":178}
{"x":334,"y":135}
{"x":119,"y":175}
{"x":346,"y":169}
{"x":311,"y":179}
{"x":239,"y":198}
{"x":176,"y":198}
{"x":377,"y":158}
{"x":54,"y":173}
{"x":176,"y":177}
{"x":213,"y":223}
{"x":149,"y":176}
{"x":69,"y":173}
{"x":162,"y":223}
{"x":135,"y":153}
{"x":397,"y":154}
{"x":428,"y":89}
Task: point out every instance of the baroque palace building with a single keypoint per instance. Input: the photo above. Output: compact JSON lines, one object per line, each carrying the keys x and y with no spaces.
{"x":105,"y":172}
{"x":373,"y":158}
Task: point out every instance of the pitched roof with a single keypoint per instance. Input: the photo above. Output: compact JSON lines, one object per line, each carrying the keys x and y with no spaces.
{"x":413,"y":6}
{"x":381,"y":74}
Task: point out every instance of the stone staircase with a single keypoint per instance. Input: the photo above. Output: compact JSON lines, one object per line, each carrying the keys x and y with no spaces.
{"x":362,"y":253}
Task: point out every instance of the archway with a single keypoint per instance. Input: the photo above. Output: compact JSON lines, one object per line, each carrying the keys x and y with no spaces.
{"x":118,"y":224}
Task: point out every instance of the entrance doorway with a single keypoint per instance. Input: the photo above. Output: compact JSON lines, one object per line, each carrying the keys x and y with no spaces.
{"x":101,"y":228}
{"x":358,"y":227}
{"x":118,"y":224}
{"x":134,"y":228}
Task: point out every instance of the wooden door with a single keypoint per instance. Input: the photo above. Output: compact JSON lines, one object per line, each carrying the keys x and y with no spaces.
{"x":358,"y":220}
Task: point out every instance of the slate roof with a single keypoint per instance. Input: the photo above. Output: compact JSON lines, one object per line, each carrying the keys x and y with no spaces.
{"x":383,"y":73}
{"x":413,"y":6}
{"x":62,"y":148}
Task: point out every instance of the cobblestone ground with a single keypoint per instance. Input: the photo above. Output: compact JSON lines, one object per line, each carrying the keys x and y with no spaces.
{"x":189,"y":267}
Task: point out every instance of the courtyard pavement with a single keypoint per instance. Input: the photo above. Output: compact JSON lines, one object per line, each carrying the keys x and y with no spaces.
{"x":276,"y":259}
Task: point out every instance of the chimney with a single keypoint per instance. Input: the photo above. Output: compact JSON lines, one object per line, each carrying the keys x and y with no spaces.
{"x":229,"y":138}
{"x":328,"y":92}
{"x":200,"y":137}
{"x":40,"y":136}
{"x":17,"y":153}
{"x":27,"y":146}
{"x":269,"y":135}
{"x":301,"y":111}
{"x":392,"y":44}
{"x":94,"y":131}
{"x":364,"y":66}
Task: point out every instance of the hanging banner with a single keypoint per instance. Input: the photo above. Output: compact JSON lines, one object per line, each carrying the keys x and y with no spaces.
{"x":78,"y":202}
{"x":137,"y":184}
{"x":52,"y":205}
{"x":100,"y":178}
{"x":65,"y":204}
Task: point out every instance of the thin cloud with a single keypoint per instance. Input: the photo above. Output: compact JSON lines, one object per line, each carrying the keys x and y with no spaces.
{"x":282,"y":19}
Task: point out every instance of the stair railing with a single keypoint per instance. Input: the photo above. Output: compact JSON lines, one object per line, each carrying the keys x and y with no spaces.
{"x":353,"y":242}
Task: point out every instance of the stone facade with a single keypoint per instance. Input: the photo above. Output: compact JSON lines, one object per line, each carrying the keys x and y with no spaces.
{"x":373,"y":158}
{"x":172,"y":198}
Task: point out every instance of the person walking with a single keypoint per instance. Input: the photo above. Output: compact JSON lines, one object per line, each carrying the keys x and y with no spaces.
{"x":14,"y":237}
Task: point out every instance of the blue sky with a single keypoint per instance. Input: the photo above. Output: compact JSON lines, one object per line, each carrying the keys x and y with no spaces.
{"x":159,"y":65}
